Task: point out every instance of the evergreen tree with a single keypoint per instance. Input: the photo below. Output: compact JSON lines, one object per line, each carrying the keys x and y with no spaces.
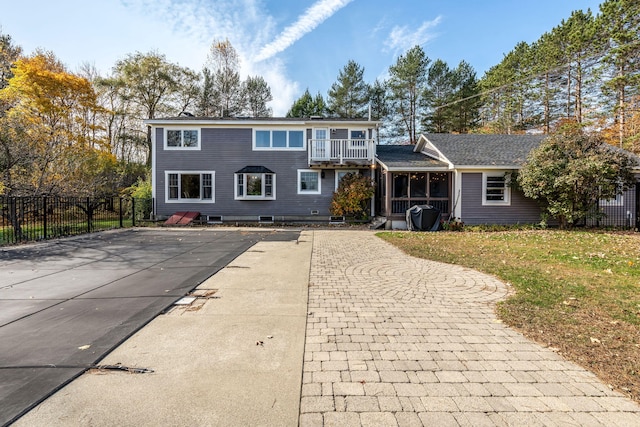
{"x":256,"y":94}
{"x":508,"y":106}
{"x":308,"y":106}
{"x":619,"y":22}
{"x":378,"y":100}
{"x":466,"y":106}
{"x":547,"y":75}
{"x":205,"y":106}
{"x":349,"y":95}
{"x":581,"y":43}
{"x":438,"y":94}
{"x":407,"y":82}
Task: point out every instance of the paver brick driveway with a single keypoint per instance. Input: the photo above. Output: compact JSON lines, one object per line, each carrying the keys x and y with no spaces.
{"x":395,"y":340}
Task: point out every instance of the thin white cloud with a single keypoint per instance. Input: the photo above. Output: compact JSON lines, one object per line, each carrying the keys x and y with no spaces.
{"x":306,"y":23}
{"x":192,"y":25}
{"x":403,"y":38}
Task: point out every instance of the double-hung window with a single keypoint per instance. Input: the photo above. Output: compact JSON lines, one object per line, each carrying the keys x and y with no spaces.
{"x":189,"y":187}
{"x":272,"y":139}
{"x":496,"y":189}
{"x":182,"y":139}
{"x":308,"y":181}
{"x":255,"y":183}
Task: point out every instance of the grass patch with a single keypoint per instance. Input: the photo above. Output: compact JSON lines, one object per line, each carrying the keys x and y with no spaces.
{"x":35,"y":231}
{"x":577,"y":291}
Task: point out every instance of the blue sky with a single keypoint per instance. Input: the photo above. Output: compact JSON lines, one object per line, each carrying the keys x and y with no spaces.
{"x":293,"y":44}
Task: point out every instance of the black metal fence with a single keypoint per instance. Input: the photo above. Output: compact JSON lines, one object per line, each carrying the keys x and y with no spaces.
{"x":24,"y":219}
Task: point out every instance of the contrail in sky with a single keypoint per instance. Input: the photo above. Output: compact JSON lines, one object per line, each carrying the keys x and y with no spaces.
{"x":308,"y":21}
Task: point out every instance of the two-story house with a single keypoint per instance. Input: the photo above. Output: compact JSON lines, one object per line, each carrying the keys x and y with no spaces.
{"x":256,"y":169}
{"x":287,"y":169}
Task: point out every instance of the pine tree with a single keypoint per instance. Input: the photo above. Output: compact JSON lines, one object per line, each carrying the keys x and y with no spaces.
{"x":619,"y":22}
{"x":378,"y":100}
{"x":466,"y":106}
{"x":308,"y":106}
{"x":349,"y":95}
{"x":257,"y":94}
{"x":438,"y":94}
{"x":407,"y":82}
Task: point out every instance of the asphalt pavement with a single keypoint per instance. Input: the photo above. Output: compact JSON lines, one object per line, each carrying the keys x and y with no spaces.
{"x":66,"y":304}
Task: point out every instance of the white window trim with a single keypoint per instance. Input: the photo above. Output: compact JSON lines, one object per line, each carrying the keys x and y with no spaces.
{"x":182,"y":128}
{"x":327,"y":133}
{"x":287,"y":148}
{"x":182,"y":200}
{"x":318,"y":191}
{"x":346,"y":171}
{"x":507,"y":190}
{"x":245,"y":197}
{"x":352,"y":140}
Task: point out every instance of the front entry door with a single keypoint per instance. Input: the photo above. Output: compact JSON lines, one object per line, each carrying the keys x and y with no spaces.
{"x":322,"y":149}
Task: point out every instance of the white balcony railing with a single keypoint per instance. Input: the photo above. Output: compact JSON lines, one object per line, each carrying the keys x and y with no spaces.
{"x":342,"y":150}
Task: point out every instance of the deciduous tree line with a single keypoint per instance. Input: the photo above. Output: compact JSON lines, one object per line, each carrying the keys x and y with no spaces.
{"x":65,"y":133}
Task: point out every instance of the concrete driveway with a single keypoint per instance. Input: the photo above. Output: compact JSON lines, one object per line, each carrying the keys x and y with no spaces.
{"x":65,"y":304}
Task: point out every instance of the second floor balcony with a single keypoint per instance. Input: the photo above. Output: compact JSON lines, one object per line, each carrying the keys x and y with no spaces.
{"x":342,"y":151}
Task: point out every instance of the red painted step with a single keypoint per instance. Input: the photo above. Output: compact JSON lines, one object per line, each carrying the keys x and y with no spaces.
{"x":182,"y":218}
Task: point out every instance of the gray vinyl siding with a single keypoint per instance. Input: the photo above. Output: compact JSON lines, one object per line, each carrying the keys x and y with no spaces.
{"x":226,"y":151}
{"x":521,"y":210}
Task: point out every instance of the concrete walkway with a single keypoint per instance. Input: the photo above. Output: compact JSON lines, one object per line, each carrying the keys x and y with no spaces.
{"x":394,"y":340}
{"x":390,"y":340}
{"x":231,"y":358}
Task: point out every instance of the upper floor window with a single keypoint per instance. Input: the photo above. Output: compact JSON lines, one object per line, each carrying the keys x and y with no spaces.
{"x":255,"y":183}
{"x":192,"y":187}
{"x":496,"y":189}
{"x":268,"y":139}
{"x":182,"y":139}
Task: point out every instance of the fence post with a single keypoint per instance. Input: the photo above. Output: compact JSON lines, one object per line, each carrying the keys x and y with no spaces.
{"x":88,"y":216}
{"x":121,"y":214}
{"x":44,"y":218}
{"x":133,"y":211}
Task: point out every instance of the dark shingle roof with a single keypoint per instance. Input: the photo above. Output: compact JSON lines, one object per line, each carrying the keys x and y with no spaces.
{"x":403,"y":156}
{"x":255,"y":169}
{"x":261,"y":119}
{"x":485,"y":150}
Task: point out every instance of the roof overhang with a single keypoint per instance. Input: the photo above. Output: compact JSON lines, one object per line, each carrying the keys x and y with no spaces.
{"x":252,"y":122}
{"x":255,"y":169}
{"x":412,"y":168}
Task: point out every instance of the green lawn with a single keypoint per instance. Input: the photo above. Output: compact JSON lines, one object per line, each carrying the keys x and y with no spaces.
{"x":35,"y":232}
{"x":576,"y":291}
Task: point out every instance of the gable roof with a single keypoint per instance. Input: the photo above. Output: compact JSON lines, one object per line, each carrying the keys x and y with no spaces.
{"x":471,"y":150}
